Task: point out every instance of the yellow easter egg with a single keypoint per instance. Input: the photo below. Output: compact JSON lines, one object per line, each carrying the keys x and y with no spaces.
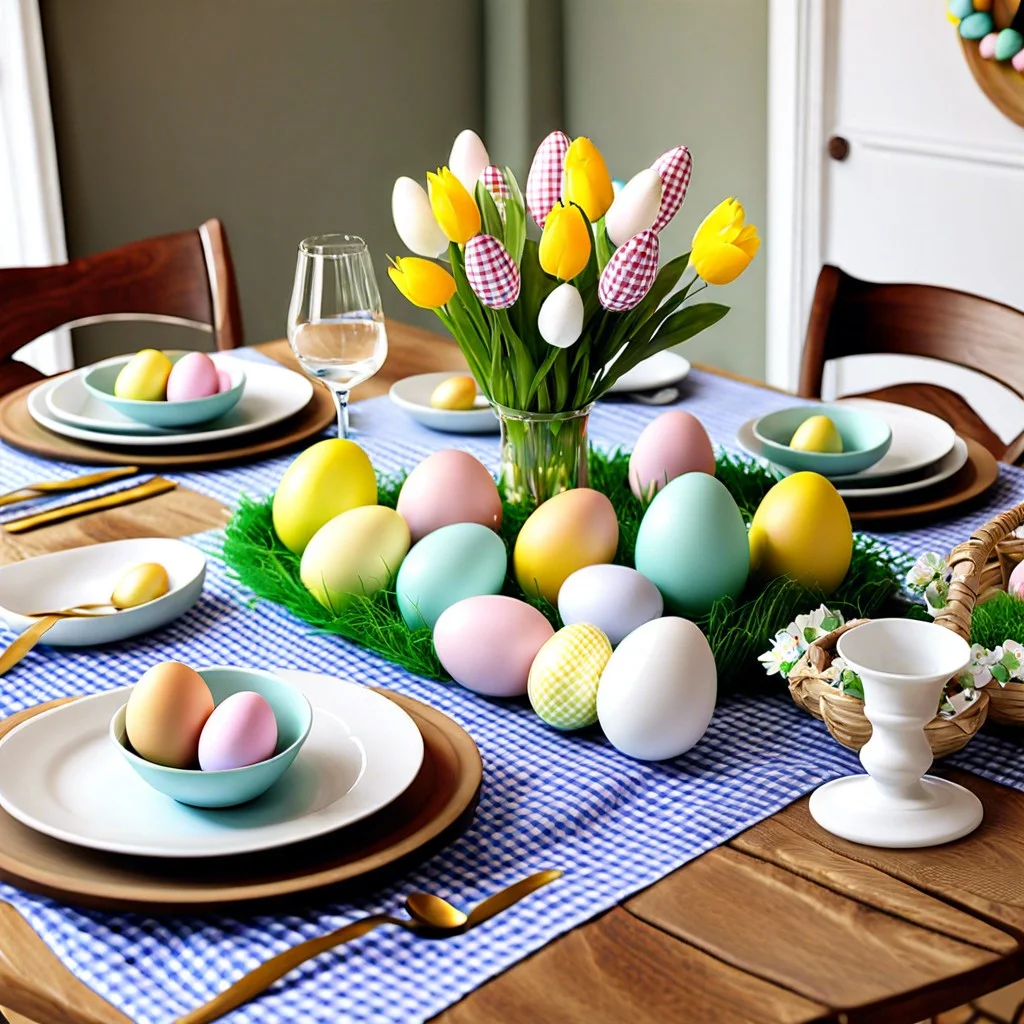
{"x":817,"y":434}
{"x":140,"y":585}
{"x":358,"y":552}
{"x":327,"y":479}
{"x":144,"y":377}
{"x":454,"y":393}
{"x":802,"y":529}
{"x":569,"y":531}
{"x":565,"y":674}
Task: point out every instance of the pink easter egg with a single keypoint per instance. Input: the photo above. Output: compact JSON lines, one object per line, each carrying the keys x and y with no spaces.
{"x":488,"y":643}
{"x":544,"y":183}
{"x":674,"y":168}
{"x":491,"y":272}
{"x":192,"y":376}
{"x":1018,"y":61}
{"x":224,"y":380}
{"x":673,"y":444}
{"x":449,"y":486}
{"x":629,"y":274}
{"x":241,"y":731}
{"x":987,"y":45}
{"x":1015,"y":586}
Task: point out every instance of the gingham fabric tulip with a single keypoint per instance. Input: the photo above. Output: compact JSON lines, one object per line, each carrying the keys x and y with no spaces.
{"x":674,"y":168}
{"x":494,"y":181}
{"x":630,"y":272}
{"x":544,"y":184}
{"x":491,"y":272}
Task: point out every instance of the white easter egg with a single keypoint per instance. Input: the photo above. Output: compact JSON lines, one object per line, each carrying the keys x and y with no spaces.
{"x":560,"y":320}
{"x":615,"y":598}
{"x":414,"y":219}
{"x":657,"y":693}
{"x":468,"y":158}
{"x":635,"y":207}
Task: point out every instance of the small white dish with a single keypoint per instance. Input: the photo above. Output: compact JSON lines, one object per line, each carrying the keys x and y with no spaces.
{"x":412,"y":394}
{"x":659,"y":371}
{"x":87,"y":575}
{"x":61,"y":775}
{"x":272,"y":394}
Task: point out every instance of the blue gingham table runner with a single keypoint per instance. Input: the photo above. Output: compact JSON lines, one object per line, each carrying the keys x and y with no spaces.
{"x":549,"y":799}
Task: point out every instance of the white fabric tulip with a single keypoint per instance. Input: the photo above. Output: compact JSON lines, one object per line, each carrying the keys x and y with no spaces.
{"x":468,"y":159}
{"x":414,"y":219}
{"x":635,"y":208}
{"x":560,"y":320}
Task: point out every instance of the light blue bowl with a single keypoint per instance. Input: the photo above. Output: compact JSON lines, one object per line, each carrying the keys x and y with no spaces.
{"x":235,"y":785}
{"x":866,"y":438}
{"x":99,"y":381}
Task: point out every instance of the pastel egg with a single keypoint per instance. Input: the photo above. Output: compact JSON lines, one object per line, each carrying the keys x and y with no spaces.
{"x":658,"y":690}
{"x":354,"y":554}
{"x":144,"y":377}
{"x":193,"y":376}
{"x":673,"y":444}
{"x":166,"y":712}
{"x":1009,"y":42}
{"x":1016,"y":583}
{"x":1018,"y":62}
{"x":224,"y":380}
{"x":976,"y":25}
{"x":140,"y":585}
{"x":448,"y":565}
{"x":802,"y":530}
{"x":454,"y":393}
{"x":573,"y":529}
{"x":241,"y":731}
{"x":987,"y":46}
{"x":692,"y":544}
{"x":565,"y":676}
{"x":615,"y":598}
{"x":961,"y":8}
{"x":488,"y":644}
{"x":449,"y":487}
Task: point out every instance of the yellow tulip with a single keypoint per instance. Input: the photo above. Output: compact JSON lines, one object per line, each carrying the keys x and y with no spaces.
{"x":587,"y":182}
{"x":454,"y":208}
{"x":564,"y":243}
{"x":423,"y":283}
{"x":723,"y":246}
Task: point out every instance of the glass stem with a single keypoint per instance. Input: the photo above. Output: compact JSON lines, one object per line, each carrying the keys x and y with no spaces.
{"x":341,"y":401}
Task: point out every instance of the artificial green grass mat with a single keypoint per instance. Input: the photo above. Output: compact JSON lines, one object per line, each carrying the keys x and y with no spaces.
{"x":738,"y":630}
{"x":996,"y":620}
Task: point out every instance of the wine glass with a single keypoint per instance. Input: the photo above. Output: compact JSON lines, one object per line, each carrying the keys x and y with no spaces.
{"x":335,"y":320}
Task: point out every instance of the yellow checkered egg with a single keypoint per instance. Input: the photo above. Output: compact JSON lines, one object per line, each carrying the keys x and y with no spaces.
{"x":564,"y":676}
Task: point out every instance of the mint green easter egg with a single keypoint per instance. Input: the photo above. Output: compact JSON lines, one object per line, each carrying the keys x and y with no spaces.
{"x":976,"y":25}
{"x":1008,"y":44}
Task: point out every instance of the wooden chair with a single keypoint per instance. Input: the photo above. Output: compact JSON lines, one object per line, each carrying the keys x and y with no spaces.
{"x":854,"y":317}
{"x":186,"y":278}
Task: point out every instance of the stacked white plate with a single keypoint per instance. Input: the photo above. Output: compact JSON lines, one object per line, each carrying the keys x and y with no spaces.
{"x":925,"y":451}
{"x":272,"y":394}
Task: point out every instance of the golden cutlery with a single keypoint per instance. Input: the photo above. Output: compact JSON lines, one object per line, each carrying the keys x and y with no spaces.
{"x":76,"y":483}
{"x":158,"y":485}
{"x":432,"y":917}
{"x":26,"y":641}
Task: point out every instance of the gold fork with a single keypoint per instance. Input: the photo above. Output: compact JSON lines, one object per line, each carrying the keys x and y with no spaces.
{"x":76,"y":483}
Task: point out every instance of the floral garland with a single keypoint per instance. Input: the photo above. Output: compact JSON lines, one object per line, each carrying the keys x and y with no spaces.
{"x":974,"y":22}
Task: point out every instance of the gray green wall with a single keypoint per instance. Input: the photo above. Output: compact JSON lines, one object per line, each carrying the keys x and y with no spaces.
{"x":290,"y":117}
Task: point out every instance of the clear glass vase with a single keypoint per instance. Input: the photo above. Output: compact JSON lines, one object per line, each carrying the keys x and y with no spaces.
{"x":542,"y":454}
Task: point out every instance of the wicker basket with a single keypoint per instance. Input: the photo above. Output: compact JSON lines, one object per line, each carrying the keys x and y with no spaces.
{"x":980,"y":567}
{"x":844,"y":715}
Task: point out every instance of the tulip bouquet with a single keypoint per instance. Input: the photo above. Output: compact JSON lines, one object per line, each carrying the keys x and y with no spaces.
{"x":548,"y":326}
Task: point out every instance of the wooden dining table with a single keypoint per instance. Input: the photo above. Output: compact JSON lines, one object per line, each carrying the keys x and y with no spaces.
{"x":783,"y":923}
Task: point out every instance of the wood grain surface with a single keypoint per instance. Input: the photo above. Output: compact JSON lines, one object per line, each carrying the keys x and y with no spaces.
{"x":782,"y":924}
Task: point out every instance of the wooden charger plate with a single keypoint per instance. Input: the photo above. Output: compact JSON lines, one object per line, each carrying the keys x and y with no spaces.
{"x":19,"y":430}
{"x":978,"y":474}
{"x":433,"y":811}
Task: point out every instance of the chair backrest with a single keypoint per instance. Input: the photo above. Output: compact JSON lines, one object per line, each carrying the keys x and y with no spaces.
{"x":185,"y":278}
{"x":853,"y":317}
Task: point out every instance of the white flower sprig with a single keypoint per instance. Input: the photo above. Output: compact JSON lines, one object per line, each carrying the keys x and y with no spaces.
{"x":1004,"y":663}
{"x":929,"y":576}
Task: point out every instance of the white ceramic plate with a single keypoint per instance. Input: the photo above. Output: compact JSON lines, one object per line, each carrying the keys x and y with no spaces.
{"x":916,"y":480}
{"x":88,"y":575}
{"x":61,"y":775}
{"x":272,"y":394}
{"x":413,"y":395}
{"x":657,"y":372}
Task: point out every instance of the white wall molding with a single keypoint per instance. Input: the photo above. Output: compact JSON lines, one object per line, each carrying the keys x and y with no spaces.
{"x":796,"y":125}
{"x":31,"y":217}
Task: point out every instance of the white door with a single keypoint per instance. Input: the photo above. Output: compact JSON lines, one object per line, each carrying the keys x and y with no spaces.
{"x":932,"y":188}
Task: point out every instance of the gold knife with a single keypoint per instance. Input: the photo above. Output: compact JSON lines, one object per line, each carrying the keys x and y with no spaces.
{"x":76,"y":483}
{"x":158,"y":485}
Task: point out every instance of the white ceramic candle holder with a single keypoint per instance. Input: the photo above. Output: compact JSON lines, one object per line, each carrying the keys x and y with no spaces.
{"x":903,"y":664}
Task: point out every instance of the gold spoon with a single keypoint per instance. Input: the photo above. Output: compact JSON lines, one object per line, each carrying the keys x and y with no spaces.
{"x":139,"y":585}
{"x":432,"y":916}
